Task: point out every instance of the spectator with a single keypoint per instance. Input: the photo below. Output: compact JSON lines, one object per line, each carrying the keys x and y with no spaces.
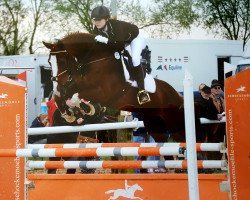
{"x":198,"y":96}
{"x":208,"y":110}
{"x":218,"y":130}
{"x":51,"y":104}
{"x":39,"y":121}
{"x":216,"y":96}
{"x":217,"y":83}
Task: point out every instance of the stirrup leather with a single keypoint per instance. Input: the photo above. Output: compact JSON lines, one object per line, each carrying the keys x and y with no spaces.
{"x":145,"y":93}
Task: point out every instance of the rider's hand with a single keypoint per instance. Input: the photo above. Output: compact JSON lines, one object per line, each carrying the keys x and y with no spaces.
{"x":101,"y":39}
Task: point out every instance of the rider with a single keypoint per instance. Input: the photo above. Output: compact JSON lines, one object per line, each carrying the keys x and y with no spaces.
{"x":120,"y":34}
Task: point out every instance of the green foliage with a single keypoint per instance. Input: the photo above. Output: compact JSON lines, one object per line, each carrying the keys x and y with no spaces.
{"x":230,"y":19}
{"x":21,"y":21}
{"x":11,"y":17}
{"x":80,"y":9}
{"x":174,"y":11}
{"x":160,"y":17}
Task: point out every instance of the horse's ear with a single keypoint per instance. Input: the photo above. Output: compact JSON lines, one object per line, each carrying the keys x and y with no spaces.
{"x":48,"y":45}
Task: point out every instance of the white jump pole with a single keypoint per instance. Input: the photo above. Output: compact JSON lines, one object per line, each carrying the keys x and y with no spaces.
{"x":87,"y":127}
{"x":190,"y":137}
{"x":210,"y":121}
{"x":98,"y":127}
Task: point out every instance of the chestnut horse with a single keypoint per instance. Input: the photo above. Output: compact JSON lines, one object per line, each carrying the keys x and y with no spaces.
{"x":92,"y":70}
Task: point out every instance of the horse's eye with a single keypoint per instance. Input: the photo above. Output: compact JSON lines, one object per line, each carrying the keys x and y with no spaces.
{"x":54,"y":78}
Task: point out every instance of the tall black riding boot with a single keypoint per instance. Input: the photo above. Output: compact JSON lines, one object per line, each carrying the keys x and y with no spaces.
{"x":142,"y":96}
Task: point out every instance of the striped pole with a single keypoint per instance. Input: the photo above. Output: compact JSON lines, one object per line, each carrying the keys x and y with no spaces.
{"x":90,"y":152}
{"x":199,"y":146}
{"x":202,"y":164}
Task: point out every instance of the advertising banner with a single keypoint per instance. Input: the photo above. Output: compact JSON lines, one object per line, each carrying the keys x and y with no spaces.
{"x":237,"y":95}
{"x":12,"y":135}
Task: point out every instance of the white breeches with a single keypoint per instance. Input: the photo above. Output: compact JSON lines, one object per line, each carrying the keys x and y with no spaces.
{"x":136,"y":47}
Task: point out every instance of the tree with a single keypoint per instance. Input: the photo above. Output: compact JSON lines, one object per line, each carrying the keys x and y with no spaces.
{"x":38,"y":9}
{"x":230,"y":19}
{"x":12,"y":14}
{"x":162,"y":18}
{"x":173,"y":16}
{"x":19,"y":21}
{"x":80,"y":9}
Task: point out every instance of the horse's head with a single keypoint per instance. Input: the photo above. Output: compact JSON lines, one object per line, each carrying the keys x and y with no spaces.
{"x":82,"y":63}
{"x":62,"y":73}
{"x":137,"y":187}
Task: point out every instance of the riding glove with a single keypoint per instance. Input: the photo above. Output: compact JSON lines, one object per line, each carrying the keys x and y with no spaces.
{"x":101,"y":39}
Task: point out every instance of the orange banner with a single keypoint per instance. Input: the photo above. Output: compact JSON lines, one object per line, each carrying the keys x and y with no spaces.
{"x":12,"y":135}
{"x":123,"y":186}
{"x":237,"y":95}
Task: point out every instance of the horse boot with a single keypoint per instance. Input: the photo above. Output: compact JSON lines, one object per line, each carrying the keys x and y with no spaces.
{"x":142,"y":95}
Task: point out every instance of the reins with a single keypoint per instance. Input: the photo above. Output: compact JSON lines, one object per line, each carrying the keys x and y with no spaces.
{"x":78,"y":66}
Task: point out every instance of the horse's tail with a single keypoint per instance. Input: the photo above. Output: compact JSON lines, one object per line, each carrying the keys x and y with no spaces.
{"x":109,"y":191}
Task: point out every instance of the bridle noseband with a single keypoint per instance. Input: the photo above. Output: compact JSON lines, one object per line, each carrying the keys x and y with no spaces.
{"x":55,"y":78}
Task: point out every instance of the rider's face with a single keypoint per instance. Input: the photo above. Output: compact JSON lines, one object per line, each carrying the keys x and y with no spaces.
{"x":100,"y":23}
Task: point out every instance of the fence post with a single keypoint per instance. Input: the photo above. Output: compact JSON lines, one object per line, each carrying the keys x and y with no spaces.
{"x":190,"y":137}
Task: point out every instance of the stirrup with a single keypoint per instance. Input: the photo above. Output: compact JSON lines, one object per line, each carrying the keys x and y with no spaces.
{"x":144,"y":92}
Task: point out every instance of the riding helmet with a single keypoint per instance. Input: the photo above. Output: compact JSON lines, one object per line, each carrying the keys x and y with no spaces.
{"x":100,"y":12}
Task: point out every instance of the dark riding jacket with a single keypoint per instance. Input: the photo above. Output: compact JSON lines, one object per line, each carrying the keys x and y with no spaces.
{"x":119,"y":33}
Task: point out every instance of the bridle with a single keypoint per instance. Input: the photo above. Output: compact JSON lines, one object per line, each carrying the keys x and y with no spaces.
{"x":79,"y":67}
{"x":55,"y":78}
{"x":64,"y":87}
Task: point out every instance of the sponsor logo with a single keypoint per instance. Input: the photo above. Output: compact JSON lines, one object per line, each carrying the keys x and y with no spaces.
{"x":171,"y":63}
{"x":241,"y":89}
{"x":3,"y":96}
{"x":128,"y":192}
{"x":5,"y":100}
{"x":240,"y":93}
{"x":170,"y":67}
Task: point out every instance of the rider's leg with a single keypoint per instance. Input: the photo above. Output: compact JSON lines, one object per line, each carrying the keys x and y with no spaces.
{"x":136,"y":48}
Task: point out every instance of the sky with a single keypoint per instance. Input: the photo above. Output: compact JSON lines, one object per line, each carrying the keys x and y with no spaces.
{"x":196,"y":33}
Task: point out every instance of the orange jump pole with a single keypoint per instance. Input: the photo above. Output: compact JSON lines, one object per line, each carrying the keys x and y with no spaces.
{"x":123,"y":186}
{"x":12,"y":135}
{"x":199,"y":146}
{"x":88,"y":152}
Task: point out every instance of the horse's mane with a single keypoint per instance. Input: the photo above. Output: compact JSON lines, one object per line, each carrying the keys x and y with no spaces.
{"x":84,"y":42}
{"x":79,"y":37}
